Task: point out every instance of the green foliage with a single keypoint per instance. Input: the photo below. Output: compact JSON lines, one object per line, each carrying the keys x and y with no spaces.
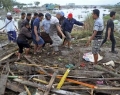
{"x":37,"y":3}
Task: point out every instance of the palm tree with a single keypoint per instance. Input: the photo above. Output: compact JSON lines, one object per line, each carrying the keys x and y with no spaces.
{"x":6,"y":4}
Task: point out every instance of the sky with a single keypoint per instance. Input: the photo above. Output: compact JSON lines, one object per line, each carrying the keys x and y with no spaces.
{"x":77,"y":2}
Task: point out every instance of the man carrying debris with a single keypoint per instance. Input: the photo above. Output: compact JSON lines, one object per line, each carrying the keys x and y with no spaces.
{"x":96,"y":38}
{"x":23,"y":15}
{"x":54,"y":29}
{"x":22,"y":40}
{"x":109,"y":35}
{"x":37,"y":40}
{"x":46,"y":29}
{"x":67,"y":28}
{"x":34,"y":17}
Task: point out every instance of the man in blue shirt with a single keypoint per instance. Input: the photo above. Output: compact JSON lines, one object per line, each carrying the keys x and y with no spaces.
{"x":37,"y":40}
{"x":67,"y":28}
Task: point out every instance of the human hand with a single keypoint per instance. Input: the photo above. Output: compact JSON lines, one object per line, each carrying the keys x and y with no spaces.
{"x":37,"y":38}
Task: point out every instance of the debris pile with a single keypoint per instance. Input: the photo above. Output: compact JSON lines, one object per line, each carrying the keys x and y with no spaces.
{"x":32,"y":76}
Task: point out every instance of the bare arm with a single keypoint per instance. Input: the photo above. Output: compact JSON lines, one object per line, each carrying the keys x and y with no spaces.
{"x":109,"y":32}
{"x":35,"y":31}
{"x":92,"y":37}
{"x":59,"y":30}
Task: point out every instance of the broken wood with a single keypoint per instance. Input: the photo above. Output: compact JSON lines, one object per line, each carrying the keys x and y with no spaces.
{"x":28,"y":83}
{"x":32,"y":62}
{"x":51,"y":83}
{"x":3,"y":80}
{"x":41,"y":81}
{"x":106,"y":70}
{"x":62,"y":92}
{"x":80,"y":83}
{"x":14,"y":87}
{"x":27,"y":90}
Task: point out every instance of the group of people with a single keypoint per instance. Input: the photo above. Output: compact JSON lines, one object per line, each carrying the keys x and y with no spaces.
{"x":56,"y":30}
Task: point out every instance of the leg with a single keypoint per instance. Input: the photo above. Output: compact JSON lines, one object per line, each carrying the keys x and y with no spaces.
{"x":14,"y":36}
{"x":105,"y":39}
{"x":112,"y":38}
{"x":20,"y":49}
{"x":9,"y":36}
{"x":35,"y":48}
{"x":95,"y":58}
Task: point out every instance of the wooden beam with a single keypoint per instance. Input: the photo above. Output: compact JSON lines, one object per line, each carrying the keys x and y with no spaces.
{"x":51,"y":83}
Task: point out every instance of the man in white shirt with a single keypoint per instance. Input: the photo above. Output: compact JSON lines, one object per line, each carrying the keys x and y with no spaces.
{"x":10,"y":28}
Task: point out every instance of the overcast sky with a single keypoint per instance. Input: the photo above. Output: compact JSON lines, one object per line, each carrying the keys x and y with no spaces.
{"x":78,"y":2}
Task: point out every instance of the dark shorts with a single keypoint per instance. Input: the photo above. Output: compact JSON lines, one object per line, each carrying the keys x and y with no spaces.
{"x":68,"y":35}
{"x":22,"y":44}
{"x":40,"y":42}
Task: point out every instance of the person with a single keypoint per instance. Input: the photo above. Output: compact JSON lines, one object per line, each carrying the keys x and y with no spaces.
{"x":53,"y":33}
{"x":109,"y":35}
{"x":22,"y":40}
{"x":28,"y":19}
{"x":45,"y":26}
{"x":67,"y":29}
{"x":62,"y":18}
{"x":37,"y":40}
{"x":96,"y":37}
{"x":10,"y":28}
{"x":23,"y":15}
{"x":35,"y":16}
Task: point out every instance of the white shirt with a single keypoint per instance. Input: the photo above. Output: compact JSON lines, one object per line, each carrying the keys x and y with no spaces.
{"x":10,"y":26}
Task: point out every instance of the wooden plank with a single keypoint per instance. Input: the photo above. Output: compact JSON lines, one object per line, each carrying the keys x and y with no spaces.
{"x":51,"y":83}
{"x":15,"y":87}
{"x":3,"y":81}
{"x":28,"y":83}
{"x":106,"y":70}
{"x":63,"y":92}
{"x":32,"y":62}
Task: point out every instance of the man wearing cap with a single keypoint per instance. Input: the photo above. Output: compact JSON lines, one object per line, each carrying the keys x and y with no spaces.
{"x":96,"y":38}
{"x":67,"y":28}
{"x":46,"y":29}
{"x":10,"y":28}
{"x":53,"y":33}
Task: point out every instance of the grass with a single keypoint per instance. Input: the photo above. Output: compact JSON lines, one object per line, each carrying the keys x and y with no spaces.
{"x":3,"y":37}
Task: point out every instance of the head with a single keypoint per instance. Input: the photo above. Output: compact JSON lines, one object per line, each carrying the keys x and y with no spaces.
{"x":62,"y":14}
{"x":96,"y":13}
{"x":23,"y":15}
{"x":112,"y":14}
{"x":35,"y":15}
{"x":27,"y":25}
{"x":58,"y":15}
{"x":9,"y":16}
{"x":70,"y":16}
{"x":48,"y":16}
{"x":29,"y":16}
{"x":41,"y":16}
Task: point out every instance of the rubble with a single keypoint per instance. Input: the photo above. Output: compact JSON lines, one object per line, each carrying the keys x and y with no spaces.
{"x":41,"y":75}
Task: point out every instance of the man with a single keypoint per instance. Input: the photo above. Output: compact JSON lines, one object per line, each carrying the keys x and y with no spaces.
{"x":54,"y":27}
{"x":96,"y":38}
{"x":28,"y":18}
{"x":23,"y":15}
{"x":37,"y":40}
{"x":22,"y":40}
{"x":46,"y":29}
{"x":109,"y":35}
{"x":61,"y":20}
{"x":10,"y":28}
{"x":35,"y":16}
{"x":67,"y":28}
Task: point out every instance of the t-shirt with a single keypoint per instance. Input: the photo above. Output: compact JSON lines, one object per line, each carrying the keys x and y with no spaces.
{"x":98,"y":26}
{"x":54,"y":22}
{"x":46,"y":25}
{"x":10,"y":26}
{"x":110,"y":24}
{"x":20,"y":23}
{"x":37,"y":24}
